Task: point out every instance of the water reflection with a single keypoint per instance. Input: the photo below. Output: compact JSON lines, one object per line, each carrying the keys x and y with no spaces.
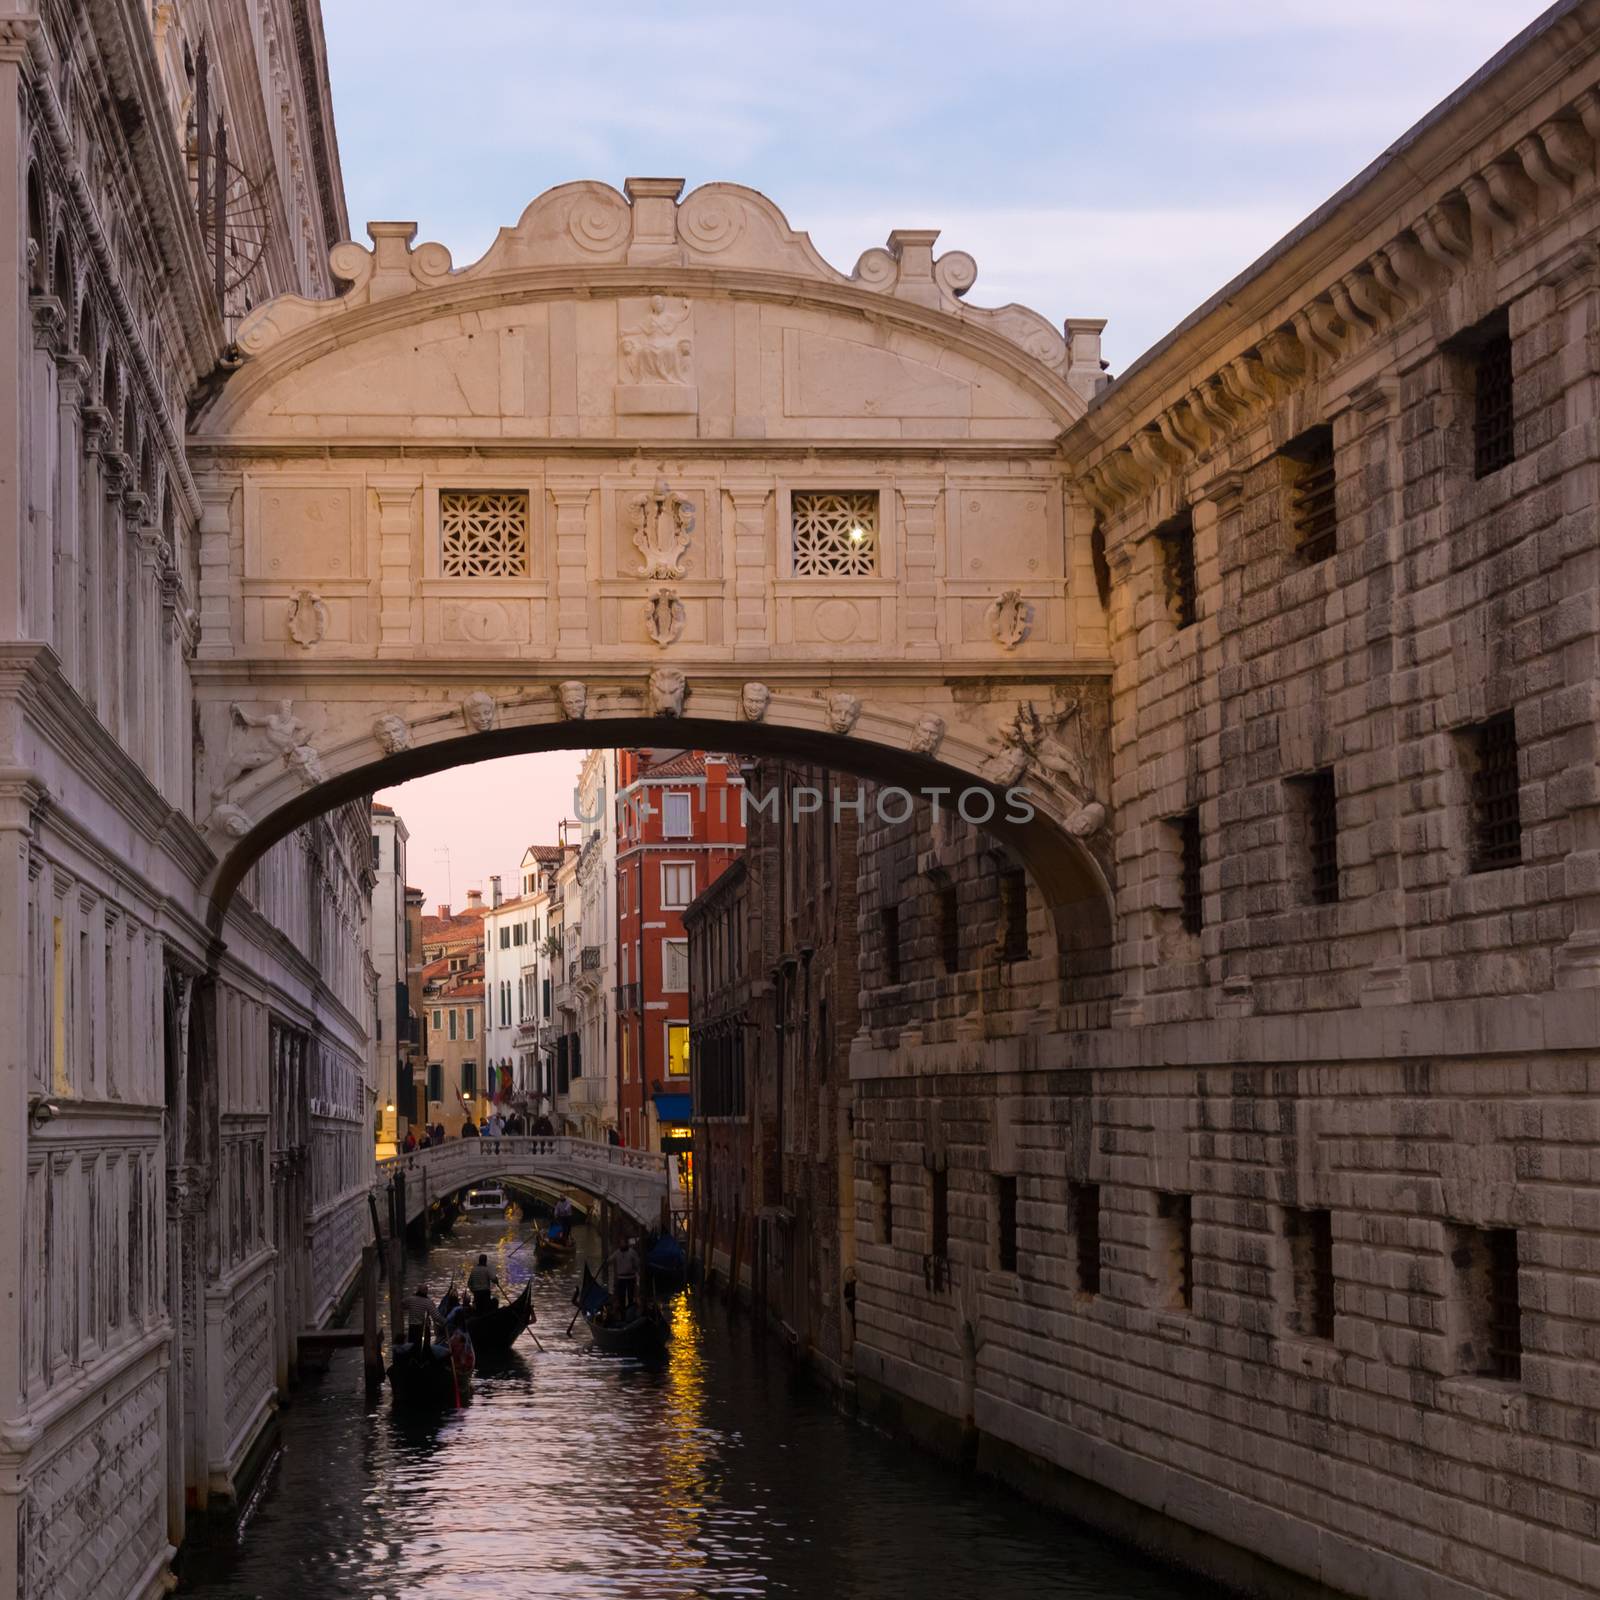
{"x":574,"y":1474}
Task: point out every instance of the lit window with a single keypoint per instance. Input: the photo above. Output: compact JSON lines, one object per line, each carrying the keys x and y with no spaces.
{"x":677,"y":1049}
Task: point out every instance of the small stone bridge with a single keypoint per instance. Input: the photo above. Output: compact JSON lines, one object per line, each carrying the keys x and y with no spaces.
{"x":636,"y":1181}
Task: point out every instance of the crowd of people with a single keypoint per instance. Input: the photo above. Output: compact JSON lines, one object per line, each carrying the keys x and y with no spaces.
{"x":490,"y":1126}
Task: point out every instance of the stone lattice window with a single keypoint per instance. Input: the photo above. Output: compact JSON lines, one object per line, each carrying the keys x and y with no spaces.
{"x":835,"y":533}
{"x":483,"y":533}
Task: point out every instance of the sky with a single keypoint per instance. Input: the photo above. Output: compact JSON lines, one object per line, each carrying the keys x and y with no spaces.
{"x":1113,"y":161}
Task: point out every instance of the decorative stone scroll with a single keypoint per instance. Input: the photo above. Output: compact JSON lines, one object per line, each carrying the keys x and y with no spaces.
{"x":664,"y":617}
{"x":1010,"y":619}
{"x":662,"y":524}
{"x":308,"y":619}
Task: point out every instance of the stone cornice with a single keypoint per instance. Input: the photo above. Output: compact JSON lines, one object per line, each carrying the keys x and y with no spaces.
{"x":32,"y":673}
{"x":1264,"y":335}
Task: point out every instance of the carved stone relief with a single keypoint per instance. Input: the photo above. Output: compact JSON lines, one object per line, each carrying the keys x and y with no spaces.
{"x":753,"y":701}
{"x":667,"y":688}
{"x":392,"y":732}
{"x":308,"y":619}
{"x":664,"y":617}
{"x":1010,"y":618}
{"x":843,"y":709}
{"x":478,"y":711}
{"x":574,"y":697}
{"x":662,"y":524}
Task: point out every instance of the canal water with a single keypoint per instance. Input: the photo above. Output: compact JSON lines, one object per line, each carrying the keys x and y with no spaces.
{"x":572,"y":1474}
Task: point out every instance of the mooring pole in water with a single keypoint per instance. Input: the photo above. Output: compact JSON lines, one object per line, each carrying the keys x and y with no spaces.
{"x":397,"y":1245}
{"x":733,"y":1265}
{"x":371,"y":1346}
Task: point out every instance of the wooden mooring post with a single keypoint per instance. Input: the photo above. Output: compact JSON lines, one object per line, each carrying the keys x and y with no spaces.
{"x":397,"y":1262}
{"x":371,"y":1344}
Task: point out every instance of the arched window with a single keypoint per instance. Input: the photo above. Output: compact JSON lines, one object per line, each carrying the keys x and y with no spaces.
{"x":88,"y":333}
{"x":36,"y":245}
{"x":108,"y":390}
{"x":61,"y":272}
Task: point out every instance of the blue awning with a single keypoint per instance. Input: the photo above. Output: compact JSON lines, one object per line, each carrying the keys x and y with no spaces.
{"x":674,"y":1107}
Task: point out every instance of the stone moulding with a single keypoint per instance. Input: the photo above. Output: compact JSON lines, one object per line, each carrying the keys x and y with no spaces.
{"x":1454,"y":231}
{"x":588,"y":231}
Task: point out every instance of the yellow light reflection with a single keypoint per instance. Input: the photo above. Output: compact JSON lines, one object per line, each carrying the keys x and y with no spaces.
{"x":687,"y":1450}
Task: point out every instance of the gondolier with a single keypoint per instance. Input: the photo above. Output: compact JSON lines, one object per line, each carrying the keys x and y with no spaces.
{"x":481,"y":1281}
{"x":625,"y":1272}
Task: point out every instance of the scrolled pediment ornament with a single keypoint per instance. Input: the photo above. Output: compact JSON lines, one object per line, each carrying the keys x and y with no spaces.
{"x":664,"y":617}
{"x":663,"y":521}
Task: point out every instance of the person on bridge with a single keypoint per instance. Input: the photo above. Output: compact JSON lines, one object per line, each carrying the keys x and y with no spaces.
{"x":411,"y":1142}
{"x":469,"y":1129}
{"x":544,"y":1128}
{"x":497,"y":1126}
{"x":438,"y":1133}
{"x":481,"y":1281}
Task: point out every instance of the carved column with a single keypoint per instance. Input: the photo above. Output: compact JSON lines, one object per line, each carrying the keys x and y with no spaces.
{"x":72,"y":377}
{"x":571,"y":502}
{"x":396,"y":497}
{"x":216,"y":613}
{"x":919,"y":586}
{"x":96,"y":422}
{"x":751,"y":633}
{"x":153,"y":709}
{"x":43,"y":466}
{"x":115,"y":472}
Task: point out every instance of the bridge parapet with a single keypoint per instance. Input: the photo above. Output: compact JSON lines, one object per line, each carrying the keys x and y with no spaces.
{"x":635,"y":1180}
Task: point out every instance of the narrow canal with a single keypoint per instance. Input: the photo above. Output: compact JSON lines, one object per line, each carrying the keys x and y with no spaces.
{"x":571,"y":1474}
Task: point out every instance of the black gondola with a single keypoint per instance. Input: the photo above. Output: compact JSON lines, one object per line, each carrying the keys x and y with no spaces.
{"x":494,"y":1332}
{"x":643,"y":1335}
{"x":554,"y":1251}
{"x":428,"y":1382}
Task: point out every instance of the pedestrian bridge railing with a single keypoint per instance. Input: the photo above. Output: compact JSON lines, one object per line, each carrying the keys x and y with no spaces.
{"x":637,"y":1180}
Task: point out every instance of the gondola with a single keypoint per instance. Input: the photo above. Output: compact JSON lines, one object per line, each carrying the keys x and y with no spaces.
{"x":665,"y":1266}
{"x":494,"y":1332}
{"x":432,"y":1383}
{"x":555,"y":1250}
{"x":643,"y":1335}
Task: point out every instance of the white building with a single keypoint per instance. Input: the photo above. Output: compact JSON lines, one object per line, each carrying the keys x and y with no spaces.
{"x":392,"y":956}
{"x":519,"y":972}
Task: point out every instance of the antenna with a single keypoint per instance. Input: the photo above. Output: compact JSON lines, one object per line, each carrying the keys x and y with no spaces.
{"x":449,"y":887}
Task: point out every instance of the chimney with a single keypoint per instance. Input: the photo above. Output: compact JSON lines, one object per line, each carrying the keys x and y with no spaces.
{"x":444,"y":911}
{"x":474,"y":899}
{"x":494,"y":891}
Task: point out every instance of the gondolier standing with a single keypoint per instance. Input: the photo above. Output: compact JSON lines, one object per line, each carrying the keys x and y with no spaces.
{"x":481,"y":1281}
{"x":625,"y":1268}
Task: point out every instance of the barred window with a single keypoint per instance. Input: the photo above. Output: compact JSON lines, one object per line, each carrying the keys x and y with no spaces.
{"x":950,"y":928}
{"x":1084,"y":1199}
{"x":1489,"y":1327}
{"x":483,"y":533}
{"x":1175,"y":1253}
{"x":1175,"y":541}
{"x":1491,"y":758}
{"x":1005,"y":1195}
{"x":1190,"y":899}
{"x":1314,"y":818}
{"x":1310,"y":1235}
{"x":1313,"y":516}
{"x":889,"y":923}
{"x":834,"y":533}
{"x":1493,"y":413}
{"x":1014,"y":915}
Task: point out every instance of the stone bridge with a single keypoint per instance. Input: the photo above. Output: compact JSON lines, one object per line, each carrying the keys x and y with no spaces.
{"x":635,"y":1181}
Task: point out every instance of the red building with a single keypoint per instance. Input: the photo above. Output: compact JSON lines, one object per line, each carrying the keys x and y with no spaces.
{"x":680,"y":825}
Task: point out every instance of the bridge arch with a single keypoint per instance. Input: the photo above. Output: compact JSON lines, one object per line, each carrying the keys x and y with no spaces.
{"x":594,"y":488}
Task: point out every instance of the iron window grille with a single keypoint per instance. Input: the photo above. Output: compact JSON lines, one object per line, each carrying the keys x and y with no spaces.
{"x":1006,"y":1221}
{"x":1191,"y":902}
{"x":1496,"y":802}
{"x":1319,"y":806}
{"x":1174,"y":1211}
{"x":889,"y":923}
{"x":834,"y":533}
{"x":883,"y":1183}
{"x":1313,"y":514}
{"x":1014,"y":911}
{"x":1493,"y":399}
{"x":1311,"y":1254}
{"x":950,"y":928}
{"x":483,"y":533}
{"x":938,"y":1212}
{"x":1505,"y":1306}
{"x":1176,"y":544}
{"x":1085,"y":1202}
